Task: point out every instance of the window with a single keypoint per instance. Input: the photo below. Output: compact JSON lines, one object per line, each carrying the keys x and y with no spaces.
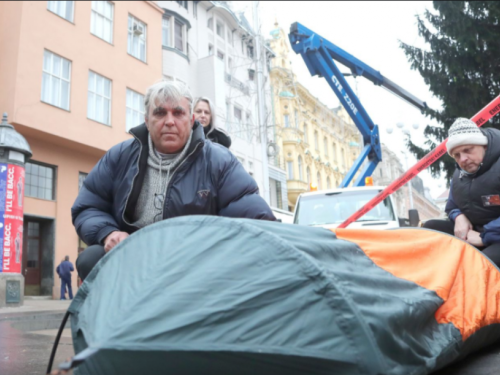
{"x":63,"y":9}
{"x":250,"y":51}
{"x":316,"y":143}
{"x":179,"y":36}
{"x":242,"y":45}
{"x":325,"y":145}
{"x":296,"y":117}
{"x":230,"y":37}
{"x":249,"y":127}
{"x":275,"y":195}
{"x":135,"y":109}
{"x":238,"y":123}
{"x":101,"y":20}
{"x":229,"y":64}
{"x":99,"y":99}
{"x":328,"y":183}
{"x":251,"y":74}
{"x":210,"y":50}
{"x":318,"y":178}
{"x":342,"y":154}
{"x":136,"y":45}
{"x":306,"y":138}
{"x":165,"y":32}
{"x":81,"y":177}
{"x":300,"y":169}
{"x":228,"y":116}
{"x":39,"y":181}
{"x":289,"y":167}
{"x":220,"y":55}
{"x":286,"y":120}
{"x":183,"y":4}
{"x":210,"y":23}
{"x":334,"y":151}
{"x":220,"y":29}
{"x":308,"y":176}
{"x":56,"y":80}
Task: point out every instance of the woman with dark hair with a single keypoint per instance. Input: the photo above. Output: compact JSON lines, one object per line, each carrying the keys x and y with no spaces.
{"x":204,"y":113}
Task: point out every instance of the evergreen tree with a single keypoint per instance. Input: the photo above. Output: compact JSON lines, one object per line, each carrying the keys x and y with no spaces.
{"x":461,"y":67}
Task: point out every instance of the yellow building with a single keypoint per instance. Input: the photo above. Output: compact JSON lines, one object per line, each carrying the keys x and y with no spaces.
{"x":317,"y":145}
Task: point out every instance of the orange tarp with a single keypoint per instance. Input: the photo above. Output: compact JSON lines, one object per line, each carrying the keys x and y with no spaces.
{"x":468,"y":282}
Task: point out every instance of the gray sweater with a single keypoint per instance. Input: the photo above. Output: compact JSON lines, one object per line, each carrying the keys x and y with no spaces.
{"x":161,"y":168}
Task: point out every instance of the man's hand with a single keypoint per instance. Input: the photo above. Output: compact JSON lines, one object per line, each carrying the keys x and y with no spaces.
{"x":474,"y":239}
{"x":462,"y":227}
{"x":113,"y":239}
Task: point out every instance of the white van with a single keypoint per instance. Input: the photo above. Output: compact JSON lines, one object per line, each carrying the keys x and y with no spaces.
{"x":330,"y":208}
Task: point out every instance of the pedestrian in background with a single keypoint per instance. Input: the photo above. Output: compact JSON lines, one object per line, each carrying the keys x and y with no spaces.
{"x":64,"y":270}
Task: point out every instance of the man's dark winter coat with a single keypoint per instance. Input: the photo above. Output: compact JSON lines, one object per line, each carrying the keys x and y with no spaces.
{"x":64,"y":270}
{"x":468,"y":192}
{"x":209,"y":181}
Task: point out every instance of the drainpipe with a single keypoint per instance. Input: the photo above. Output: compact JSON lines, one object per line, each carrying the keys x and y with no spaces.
{"x":260,"y":99}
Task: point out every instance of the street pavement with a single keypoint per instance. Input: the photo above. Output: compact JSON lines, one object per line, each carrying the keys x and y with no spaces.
{"x":27,"y":334}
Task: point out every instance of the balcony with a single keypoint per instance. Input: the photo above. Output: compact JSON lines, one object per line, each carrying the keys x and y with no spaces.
{"x":295,"y":188}
{"x":233,"y":82}
{"x":277,"y":162}
{"x":292,"y":135}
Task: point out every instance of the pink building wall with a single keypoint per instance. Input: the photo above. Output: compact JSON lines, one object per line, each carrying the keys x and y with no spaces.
{"x":69,"y":140}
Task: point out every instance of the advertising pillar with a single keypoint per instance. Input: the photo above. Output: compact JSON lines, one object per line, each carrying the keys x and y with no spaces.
{"x":14,"y":152}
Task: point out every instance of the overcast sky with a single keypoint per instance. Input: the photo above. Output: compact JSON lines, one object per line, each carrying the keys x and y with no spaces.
{"x":371,"y":32}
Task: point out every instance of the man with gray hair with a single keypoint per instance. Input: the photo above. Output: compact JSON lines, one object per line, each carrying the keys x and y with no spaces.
{"x":167,"y":170}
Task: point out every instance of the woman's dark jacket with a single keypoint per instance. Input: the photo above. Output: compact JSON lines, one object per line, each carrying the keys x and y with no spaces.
{"x":476,"y":195}
{"x":217,"y":136}
{"x":210,"y":181}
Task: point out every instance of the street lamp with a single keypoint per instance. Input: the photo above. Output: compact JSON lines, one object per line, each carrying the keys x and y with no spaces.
{"x":14,"y":152}
{"x":405,"y":131}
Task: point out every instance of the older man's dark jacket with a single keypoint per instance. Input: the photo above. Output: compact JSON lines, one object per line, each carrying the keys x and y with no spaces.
{"x":209,"y":181}
{"x":476,"y":194}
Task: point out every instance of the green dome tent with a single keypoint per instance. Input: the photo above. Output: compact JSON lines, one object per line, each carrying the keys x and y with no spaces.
{"x":211,"y":295}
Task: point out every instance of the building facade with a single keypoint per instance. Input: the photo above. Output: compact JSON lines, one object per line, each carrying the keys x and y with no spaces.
{"x":389,"y":170}
{"x":209,"y":47}
{"x":72,"y":75}
{"x":317,"y":145}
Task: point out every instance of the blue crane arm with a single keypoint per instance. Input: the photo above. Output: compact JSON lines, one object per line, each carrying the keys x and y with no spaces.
{"x":318,"y":54}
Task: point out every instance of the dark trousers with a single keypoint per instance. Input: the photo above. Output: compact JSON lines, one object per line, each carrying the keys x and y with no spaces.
{"x":447,"y":226}
{"x":88,"y":259}
{"x":66,"y":283}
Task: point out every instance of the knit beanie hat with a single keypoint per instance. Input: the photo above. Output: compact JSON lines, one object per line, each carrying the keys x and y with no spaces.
{"x":464,"y":132}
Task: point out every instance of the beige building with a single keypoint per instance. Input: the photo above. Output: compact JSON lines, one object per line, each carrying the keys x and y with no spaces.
{"x":317,"y":145}
{"x":72,"y":79}
{"x":389,"y":170}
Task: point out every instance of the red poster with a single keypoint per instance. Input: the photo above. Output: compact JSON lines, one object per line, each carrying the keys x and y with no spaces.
{"x":11,"y":220}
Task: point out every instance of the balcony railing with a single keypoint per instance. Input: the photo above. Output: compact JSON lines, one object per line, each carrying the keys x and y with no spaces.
{"x":233,"y":82}
{"x":292,"y":135}
{"x":277,"y":162}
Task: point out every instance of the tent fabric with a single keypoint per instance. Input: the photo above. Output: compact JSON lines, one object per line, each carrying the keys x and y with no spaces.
{"x":212,"y":295}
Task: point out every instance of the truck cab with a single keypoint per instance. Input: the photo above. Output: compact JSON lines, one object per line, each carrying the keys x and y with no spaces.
{"x":329,"y":208}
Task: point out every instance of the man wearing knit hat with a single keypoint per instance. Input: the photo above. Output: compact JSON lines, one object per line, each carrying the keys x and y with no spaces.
{"x":167,"y":170}
{"x":473,"y":206}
